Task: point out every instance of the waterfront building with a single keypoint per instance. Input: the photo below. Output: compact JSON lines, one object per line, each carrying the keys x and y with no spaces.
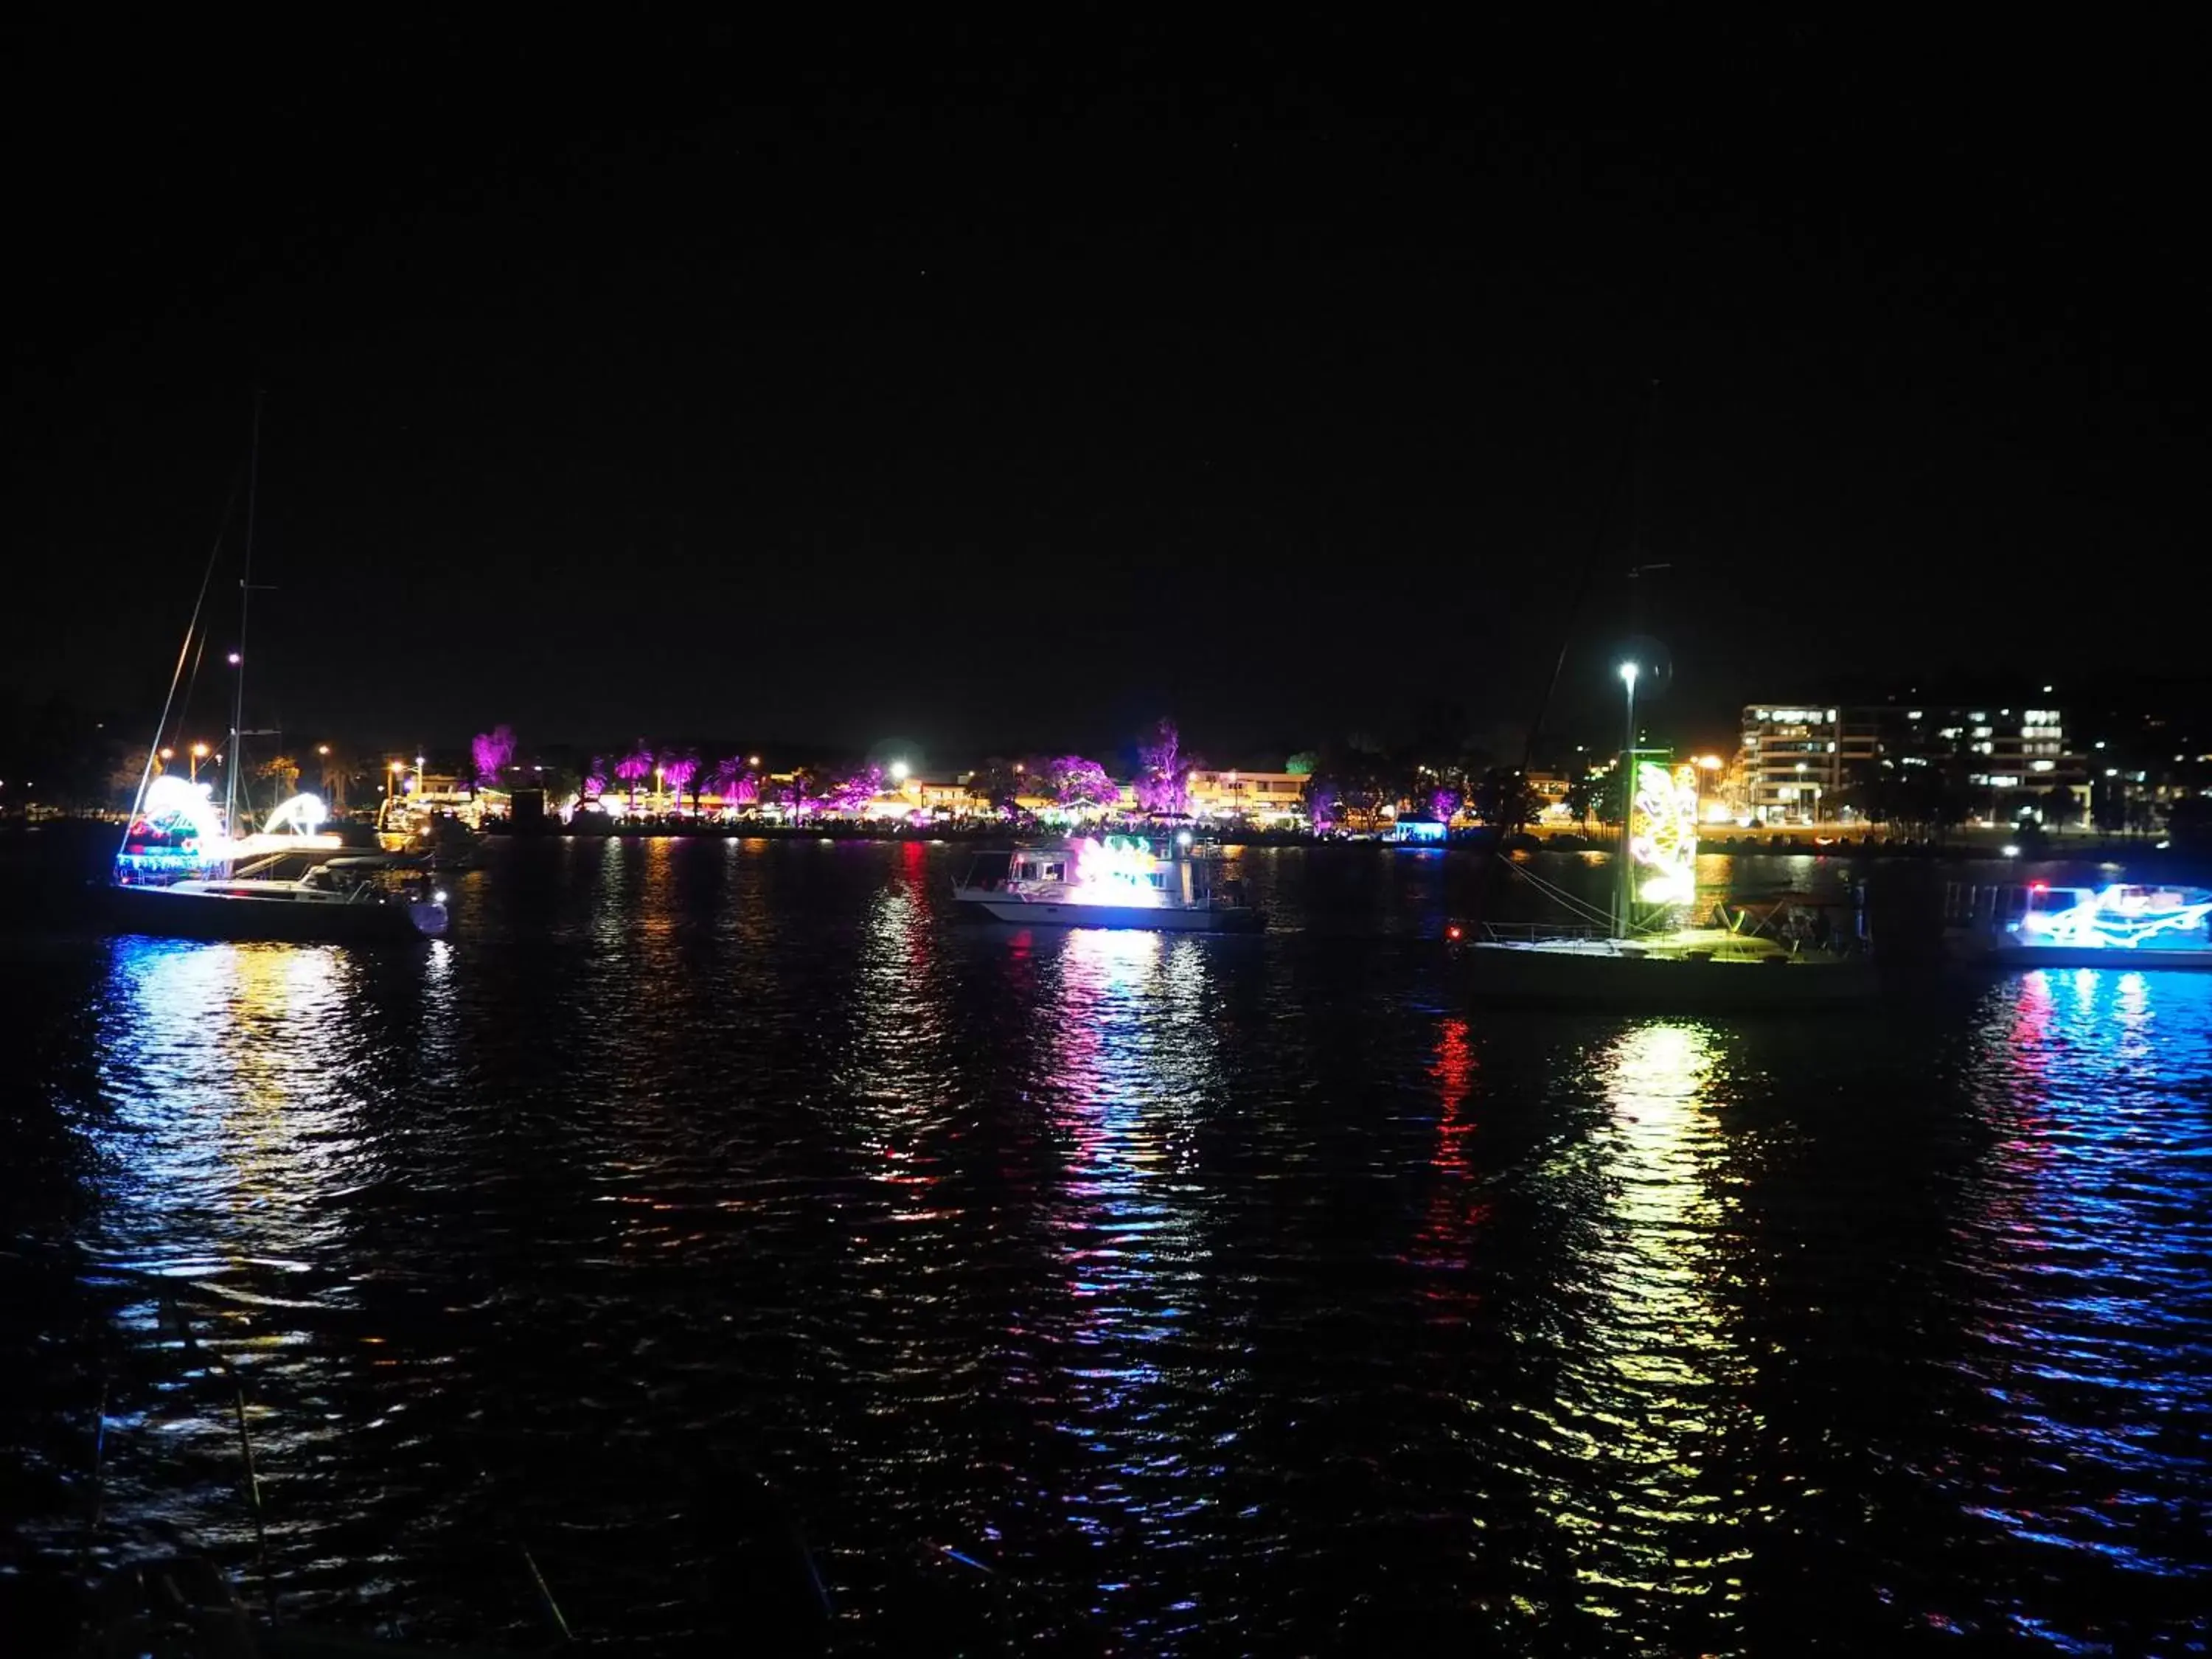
{"x":1260,"y":796}
{"x":1795,"y":757}
{"x":1798,"y":761}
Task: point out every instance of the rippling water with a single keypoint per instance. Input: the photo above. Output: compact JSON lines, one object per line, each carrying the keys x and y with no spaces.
{"x":1237,"y":1295}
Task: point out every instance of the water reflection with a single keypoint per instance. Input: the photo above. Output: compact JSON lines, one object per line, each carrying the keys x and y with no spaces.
{"x":1132,"y":1067}
{"x":1221,"y":1293}
{"x":226,"y":1069}
{"x":901,"y":1074}
{"x":2089,"y":1245}
{"x":1647,"y":1530}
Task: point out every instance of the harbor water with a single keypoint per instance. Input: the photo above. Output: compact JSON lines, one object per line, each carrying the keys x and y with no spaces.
{"x":1105,"y":1292}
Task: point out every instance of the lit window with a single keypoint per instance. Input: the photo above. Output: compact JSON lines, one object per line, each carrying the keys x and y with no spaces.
{"x":2041,"y":766}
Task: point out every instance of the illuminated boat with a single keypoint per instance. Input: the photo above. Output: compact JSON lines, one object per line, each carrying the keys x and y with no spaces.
{"x":180,"y":876}
{"x":1689,"y":971}
{"x":1109,"y":881}
{"x":183,"y":872}
{"x":1790,"y":957}
{"x":2041,"y":924}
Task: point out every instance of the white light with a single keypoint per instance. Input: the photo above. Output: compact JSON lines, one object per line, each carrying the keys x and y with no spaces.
{"x":2012,"y":851}
{"x":898,"y":771}
{"x":1183,"y":838}
{"x":1628,"y":671}
{"x":438,"y":897}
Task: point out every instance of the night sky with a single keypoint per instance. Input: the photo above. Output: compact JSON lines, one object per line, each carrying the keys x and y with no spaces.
{"x":996,"y":388}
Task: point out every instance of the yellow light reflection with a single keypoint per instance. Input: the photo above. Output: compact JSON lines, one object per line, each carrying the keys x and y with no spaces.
{"x":1653,"y":1401}
{"x":223,"y":1063}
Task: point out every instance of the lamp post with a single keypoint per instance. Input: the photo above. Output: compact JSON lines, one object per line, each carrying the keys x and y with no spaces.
{"x":1626,"y":886}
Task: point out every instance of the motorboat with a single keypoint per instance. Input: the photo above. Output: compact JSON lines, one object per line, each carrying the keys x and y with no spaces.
{"x":1164,"y":884}
{"x":2136,"y":925}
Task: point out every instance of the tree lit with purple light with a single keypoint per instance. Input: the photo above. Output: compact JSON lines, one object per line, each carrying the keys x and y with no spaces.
{"x":634,"y":768}
{"x":492,"y":753}
{"x":851,"y":793}
{"x":678,"y":770}
{"x":734,"y":782}
{"x":1163,"y":772}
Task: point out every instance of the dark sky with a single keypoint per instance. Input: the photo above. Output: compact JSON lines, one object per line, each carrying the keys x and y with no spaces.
{"x":996,"y":387}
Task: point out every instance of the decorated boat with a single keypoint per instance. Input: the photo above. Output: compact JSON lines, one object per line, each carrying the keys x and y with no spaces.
{"x":1161,"y":883}
{"x":183,"y":871}
{"x":2155,"y":925}
{"x":1645,"y":955}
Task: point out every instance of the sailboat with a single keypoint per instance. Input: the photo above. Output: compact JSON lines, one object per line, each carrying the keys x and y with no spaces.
{"x":1790,"y":957}
{"x":184,"y":872}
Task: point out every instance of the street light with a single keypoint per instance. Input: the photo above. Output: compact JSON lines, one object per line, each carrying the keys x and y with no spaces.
{"x":199,"y":754}
{"x":898,"y":771}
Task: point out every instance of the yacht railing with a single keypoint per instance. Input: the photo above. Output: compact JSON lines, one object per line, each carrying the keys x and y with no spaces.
{"x":1538,"y":932}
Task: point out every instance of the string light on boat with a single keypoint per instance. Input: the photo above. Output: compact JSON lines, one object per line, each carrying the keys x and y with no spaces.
{"x":2117,"y":917}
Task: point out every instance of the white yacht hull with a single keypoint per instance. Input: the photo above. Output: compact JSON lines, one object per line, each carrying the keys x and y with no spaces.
{"x":1157,"y":918}
{"x":1983,"y":952}
{"x":1594,"y":975}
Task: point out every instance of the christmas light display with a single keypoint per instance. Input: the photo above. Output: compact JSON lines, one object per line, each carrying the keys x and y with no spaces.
{"x":1663,"y":832}
{"x":2117,"y":917}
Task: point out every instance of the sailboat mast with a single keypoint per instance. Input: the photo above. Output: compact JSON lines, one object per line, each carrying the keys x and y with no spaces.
{"x":1625,"y":878}
{"x":244,"y":597}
